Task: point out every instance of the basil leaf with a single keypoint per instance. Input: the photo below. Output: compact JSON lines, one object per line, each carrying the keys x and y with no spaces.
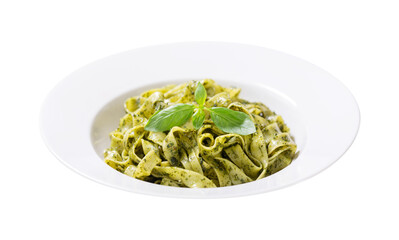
{"x":231,"y":121}
{"x":200,"y":94}
{"x":198,"y":118}
{"x":172,"y":116}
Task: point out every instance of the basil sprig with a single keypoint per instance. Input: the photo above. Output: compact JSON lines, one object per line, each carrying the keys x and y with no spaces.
{"x":225,"y":119}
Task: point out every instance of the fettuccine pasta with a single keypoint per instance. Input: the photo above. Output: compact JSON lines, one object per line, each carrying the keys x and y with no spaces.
{"x":203,"y":158}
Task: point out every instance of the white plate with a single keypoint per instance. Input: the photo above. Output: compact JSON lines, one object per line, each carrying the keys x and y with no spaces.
{"x":80,"y":111}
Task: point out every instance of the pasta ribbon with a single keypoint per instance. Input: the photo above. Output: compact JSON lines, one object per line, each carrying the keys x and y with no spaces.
{"x":203,"y":158}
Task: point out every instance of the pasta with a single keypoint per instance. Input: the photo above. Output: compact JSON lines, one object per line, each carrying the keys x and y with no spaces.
{"x":203,"y":158}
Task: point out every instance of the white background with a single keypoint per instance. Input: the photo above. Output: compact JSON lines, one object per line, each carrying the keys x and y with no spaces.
{"x":42,"y":41}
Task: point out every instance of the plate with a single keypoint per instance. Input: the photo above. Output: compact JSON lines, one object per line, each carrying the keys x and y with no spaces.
{"x":80,"y":112}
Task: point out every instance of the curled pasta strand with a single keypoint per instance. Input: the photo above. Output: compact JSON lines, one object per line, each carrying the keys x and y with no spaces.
{"x":189,"y":178}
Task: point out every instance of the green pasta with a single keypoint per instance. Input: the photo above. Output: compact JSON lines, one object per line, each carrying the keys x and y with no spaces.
{"x":199,"y":156}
